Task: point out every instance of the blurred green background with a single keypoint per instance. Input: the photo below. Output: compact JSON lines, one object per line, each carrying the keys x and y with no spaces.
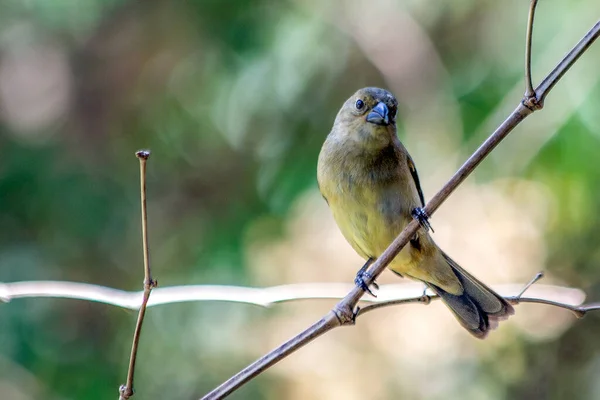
{"x":235,"y":98}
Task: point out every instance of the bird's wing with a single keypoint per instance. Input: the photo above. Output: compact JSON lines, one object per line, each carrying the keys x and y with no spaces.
{"x":413,"y":172}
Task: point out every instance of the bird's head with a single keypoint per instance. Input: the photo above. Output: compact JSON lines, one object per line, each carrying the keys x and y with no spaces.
{"x":368,"y":116}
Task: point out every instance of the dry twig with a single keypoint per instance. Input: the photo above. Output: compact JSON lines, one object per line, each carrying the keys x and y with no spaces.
{"x":126,"y":390}
{"x":529,"y":92}
{"x":579,"y":310}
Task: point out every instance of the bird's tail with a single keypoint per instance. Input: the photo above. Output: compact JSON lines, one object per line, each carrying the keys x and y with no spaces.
{"x":478,"y":308}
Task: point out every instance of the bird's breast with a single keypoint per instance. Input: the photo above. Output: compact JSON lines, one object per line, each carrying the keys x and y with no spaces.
{"x":368,"y":206}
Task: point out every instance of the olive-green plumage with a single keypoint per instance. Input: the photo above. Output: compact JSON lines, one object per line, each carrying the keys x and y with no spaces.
{"x":371,"y":185}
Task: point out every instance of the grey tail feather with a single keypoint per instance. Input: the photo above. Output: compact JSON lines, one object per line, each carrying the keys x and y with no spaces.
{"x":478,"y":308}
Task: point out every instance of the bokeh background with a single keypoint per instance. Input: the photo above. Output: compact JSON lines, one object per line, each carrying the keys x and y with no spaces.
{"x":235,"y":98}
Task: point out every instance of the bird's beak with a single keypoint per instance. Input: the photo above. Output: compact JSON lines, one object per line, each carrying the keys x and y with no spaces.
{"x":379,"y":115}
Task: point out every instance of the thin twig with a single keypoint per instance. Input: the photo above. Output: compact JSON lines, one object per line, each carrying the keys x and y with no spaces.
{"x":126,"y":391}
{"x":579,"y":310}
{"x":536,"y":278}
{"x":529,"y":92}
{"x":344,"y":310}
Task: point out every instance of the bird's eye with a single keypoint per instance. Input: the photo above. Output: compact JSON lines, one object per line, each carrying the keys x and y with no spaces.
{"x":359,"y":104}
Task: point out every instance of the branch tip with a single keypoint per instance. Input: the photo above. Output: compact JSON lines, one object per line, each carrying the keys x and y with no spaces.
{"x":142,"y":154}
{"x":535,"y":279}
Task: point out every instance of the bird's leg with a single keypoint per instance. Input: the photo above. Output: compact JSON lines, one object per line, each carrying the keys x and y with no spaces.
{"x":362,"y":274}
{"x":420,"y":215}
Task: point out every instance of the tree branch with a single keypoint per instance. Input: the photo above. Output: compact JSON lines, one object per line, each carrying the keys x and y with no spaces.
{"x":529,"y":92}
{"x":579,"y":310}
{"x":557,"y":73}
{"x":343,"y":312}
{"x":126,"y":390}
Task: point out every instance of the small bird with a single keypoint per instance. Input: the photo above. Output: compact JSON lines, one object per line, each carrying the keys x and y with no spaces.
{"x":371,"y":185}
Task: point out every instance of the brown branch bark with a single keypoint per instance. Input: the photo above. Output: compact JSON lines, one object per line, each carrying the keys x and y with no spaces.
{"x":529,"y":91}
{"x":126,"y":390}
{"x":579,"y":311}
{"x":343,"y":312}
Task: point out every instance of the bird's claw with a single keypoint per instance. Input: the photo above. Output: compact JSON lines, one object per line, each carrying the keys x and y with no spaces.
{"x":360,"y":282}
{"x":355,"y":314}
{"x":420,"y":215}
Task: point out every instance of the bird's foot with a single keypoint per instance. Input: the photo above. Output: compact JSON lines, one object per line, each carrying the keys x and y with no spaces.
{"x":420,"y":215}
{"x":363,"y":275}
{"x":355,"y":314}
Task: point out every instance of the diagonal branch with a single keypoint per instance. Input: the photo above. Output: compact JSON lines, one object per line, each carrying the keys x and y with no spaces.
{"x":557,"y":73}
{"x":343,"y":312}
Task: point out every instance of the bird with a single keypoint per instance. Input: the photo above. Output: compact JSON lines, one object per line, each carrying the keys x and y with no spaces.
{"x":370,"y":182}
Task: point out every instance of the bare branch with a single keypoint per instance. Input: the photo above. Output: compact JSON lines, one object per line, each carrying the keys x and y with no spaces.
{"x":126,"y":391}
{"x":529,"y":92}
{"x":579,"y":310}
{"x":557,"y":73}
{"x":536,"y":278}
{"x":344,"y":310}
